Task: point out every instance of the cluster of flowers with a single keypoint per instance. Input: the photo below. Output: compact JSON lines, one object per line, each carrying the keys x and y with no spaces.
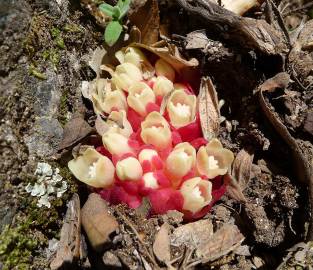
{"x":152,"y":149}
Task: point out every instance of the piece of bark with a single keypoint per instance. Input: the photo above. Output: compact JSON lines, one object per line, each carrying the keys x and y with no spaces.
{"x":161,"y":246}
{"x":74,"y":131}
{"x":247,"y":32}
{"x":69,"y":246}
{"x":233,"y":188}
{"x":97,"y":222}
{"x":208,"y":109}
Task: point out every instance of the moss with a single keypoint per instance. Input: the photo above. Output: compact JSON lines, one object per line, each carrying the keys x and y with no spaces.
{"x":35,"y":72}
{"x":57,"y":37}
{"x":72,"y":28}
{"x":17,"y":246}
{"x":63,"y":109}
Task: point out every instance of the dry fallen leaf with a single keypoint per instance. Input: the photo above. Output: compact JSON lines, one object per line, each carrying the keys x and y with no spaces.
{"x":146,"y":18}
{"x":97,"y":222}
{"x":234,"y":190}
{"x":161,"y":245}
{"x":223,"y":241}
{"x":74,"y":131}
{"x":192,"y":234}
{"x":241,"y":169}
{"x":208,"y":109}
{"x":69,"y":244}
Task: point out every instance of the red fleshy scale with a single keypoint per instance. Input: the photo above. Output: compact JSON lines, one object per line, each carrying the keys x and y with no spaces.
{"x":165,"y":199}
{"x":167,"y":196}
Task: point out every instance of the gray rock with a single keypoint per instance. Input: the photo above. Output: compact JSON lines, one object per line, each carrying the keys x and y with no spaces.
{"x":44,"y":137}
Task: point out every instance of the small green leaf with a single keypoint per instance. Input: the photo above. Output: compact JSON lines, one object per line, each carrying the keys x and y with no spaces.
{"x":116,"y":12}
{"x":124,"y":7}
{"x":112,"y":32}
{"x":107,"y":9}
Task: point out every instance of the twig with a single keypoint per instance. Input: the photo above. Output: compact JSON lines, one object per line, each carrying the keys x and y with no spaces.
{"x":305,"y":6}
{"x":148,"y":254}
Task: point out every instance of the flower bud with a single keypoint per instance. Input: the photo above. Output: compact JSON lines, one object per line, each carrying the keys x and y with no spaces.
{"x":196,"y":193}
{"x":162,"y":86}
{"x":156,"y":131}
{"x":150,"y":181}
{"x":116,"y":143}
{"x":93,"y":169}
{"x":129,"y":169}
{"x":140,"y":94}
{"x":125,"y":75}
{"x":147,"y":154}
{"x":180,"y":86}
{"x":162,"y":68}
{"x":116,"y":122}
{"x":114,"y":100}
{"x":181,"y":108}
{"x":213,"y":159}
{"x":181,"y":160}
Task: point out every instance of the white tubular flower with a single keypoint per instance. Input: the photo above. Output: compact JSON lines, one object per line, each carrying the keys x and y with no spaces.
{"x":125,"y":75}
{"x":162,"y":68}
{"x":213,"y":159}
{"x":196,"y":193}
{"x":156,"y":131}
{"x":129,"y":169}
{"x":116,"y":122}
{"x":93,"y":169}
{"x":181,"y":108}
{"x":139,"y":95}
{"x":114,"y":100}
{"x":181,"y":160}
{"x":147,"y":154}
{"x":116,"y":143}
{"x":162,"y":86}
{"x":150,"y":181}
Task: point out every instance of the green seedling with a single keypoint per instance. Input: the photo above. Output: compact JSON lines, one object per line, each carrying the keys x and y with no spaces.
{"x":117,"y":12}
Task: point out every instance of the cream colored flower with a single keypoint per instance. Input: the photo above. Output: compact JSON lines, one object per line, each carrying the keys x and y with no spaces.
{"x":104,"y":98}
{"x":162,"y":86}
{"x":150,"y":181}
{"x":134,"y":56}
{"x":181,"y":108}
{"x":213,"y":159}
{"x":139,"y":95}
{"x":156,"y":131}
{"x":181,"y":160}
{"x":196,"y":193}
{"x":125,"y":75}
{"x":129,"y":169}
{"x":116,"y":143}
{"x":147,"y":154}
{"x":116,"y":122}
{"x":93,"y":169}
{"x":162,"y":68}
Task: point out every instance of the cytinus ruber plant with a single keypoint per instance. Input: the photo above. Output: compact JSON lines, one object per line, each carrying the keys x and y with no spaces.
{"x":153,"y":146}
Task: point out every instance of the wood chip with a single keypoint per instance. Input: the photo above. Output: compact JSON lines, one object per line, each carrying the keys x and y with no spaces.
{"x":196,"y":40}
{"x":69,"y":246}
{"x":233,"y":189}
{"x":223,"y":241}
{"x":208,"y":109}
{"x":161,"y":245}
{"x":74,"y":131}
{"x":97,"y":222}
